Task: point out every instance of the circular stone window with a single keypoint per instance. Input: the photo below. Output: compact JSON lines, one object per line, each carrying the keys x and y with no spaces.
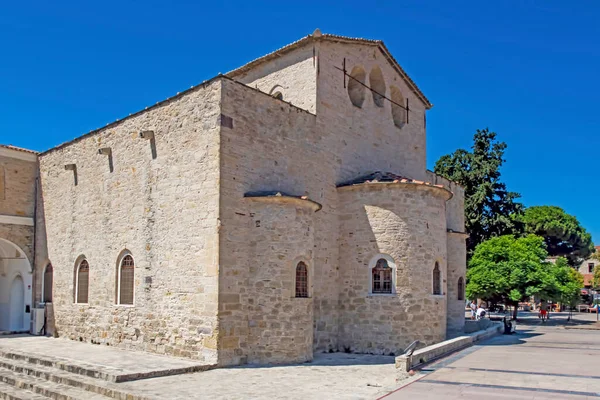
{"x":356,"y":88}
{"x":377,"y":84}
{"x":398,"y":113}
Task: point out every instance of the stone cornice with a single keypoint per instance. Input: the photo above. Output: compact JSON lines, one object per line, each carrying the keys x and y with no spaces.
{"x":462,"y":234}
{"x":389,"y":185}
{"x":284,"y":199}
{"x":19,"y":154}
{"x":15,"y":220}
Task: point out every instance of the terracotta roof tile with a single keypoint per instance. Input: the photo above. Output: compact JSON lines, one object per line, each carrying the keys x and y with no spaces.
{"x":276,"y":193}
{"x":385,"y":177}
{"x":5,"y":146}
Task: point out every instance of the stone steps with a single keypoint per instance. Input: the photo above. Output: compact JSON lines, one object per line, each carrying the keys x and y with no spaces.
{"x":24,"y":376}
{"x":8,"y":392}
{"x":46,"y":388}
{"x":46,"y":362}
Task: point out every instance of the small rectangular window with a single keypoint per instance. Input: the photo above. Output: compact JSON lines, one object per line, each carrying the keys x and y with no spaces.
{"x":590,"y":267}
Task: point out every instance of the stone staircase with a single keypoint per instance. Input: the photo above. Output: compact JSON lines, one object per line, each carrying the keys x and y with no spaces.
{"x":27,"y":376}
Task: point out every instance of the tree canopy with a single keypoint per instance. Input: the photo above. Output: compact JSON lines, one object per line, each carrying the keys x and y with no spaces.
{"x":562,"y":232}
{"x":596,"y":276}
{"x":489,"y":206}
{"x":569,"y":282}
{"x":509,"y":269}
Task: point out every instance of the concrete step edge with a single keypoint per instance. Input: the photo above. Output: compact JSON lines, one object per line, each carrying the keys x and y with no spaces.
{"x":96,"y":372}
{"x":12,"y":354}
{"x":49,"y":389}
{"x":59,"y":376}
{"x":8,"y":392}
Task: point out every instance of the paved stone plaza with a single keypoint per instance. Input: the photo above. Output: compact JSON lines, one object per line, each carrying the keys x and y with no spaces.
{"x":543,"y":361}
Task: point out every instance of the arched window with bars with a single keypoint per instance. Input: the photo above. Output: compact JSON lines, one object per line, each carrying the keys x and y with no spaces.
{"x":437,"y":280}
{"x":82,"y":280}
{"x":125,"y":280}
{"x":47,"y":284}
{"x":383,"y":272}
{"x":301,"y":280}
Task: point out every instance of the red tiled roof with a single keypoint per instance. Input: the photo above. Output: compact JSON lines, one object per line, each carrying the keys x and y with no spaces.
{"x":7,"y":146}
{"x":385,"y":177}
{"x":274,"y":194}
{"x":587,"y":279}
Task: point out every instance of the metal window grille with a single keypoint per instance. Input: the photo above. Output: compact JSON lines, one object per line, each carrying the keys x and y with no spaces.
{"x":461,"y":288}
{"x":382,"y":277}
{"x":301,"y":280}
{"x":437,"y":287}
{"x":126,"y":281}
{"x":83,"y":282}
{"x":47,"y":298}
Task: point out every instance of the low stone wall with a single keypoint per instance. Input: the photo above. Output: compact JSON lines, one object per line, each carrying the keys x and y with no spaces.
{"x":475,"y":326}
{"x":405,"y":363}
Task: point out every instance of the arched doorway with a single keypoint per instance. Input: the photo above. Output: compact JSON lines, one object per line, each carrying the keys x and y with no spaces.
{"x":16,"y":309}
{"x":15,"y":288}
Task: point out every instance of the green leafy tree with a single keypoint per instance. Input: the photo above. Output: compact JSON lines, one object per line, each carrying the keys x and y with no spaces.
{"x":489,"y":206}
{"x":562,"y":232}
{"x":511,"y":270}
{"x":596,"y":277}
{"x":569,"y":282}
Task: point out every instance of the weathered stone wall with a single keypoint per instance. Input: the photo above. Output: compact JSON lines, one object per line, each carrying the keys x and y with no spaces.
{"x":163,"y":210}
{"x":351,"y":141}
{"x":279,"y":324}
{"x":17,"y":186}
{"x":455,"y":207}
{"x":365,"y":139}
{"x":271,"y":147}
{"x":17,"y":193}
{"x":21,"y":236}
{"x":360,"y":140}
{"x":406,"y":222}
{"x":457,"y":262}
{"x":293,"y":75}
{"x":457,"y":252}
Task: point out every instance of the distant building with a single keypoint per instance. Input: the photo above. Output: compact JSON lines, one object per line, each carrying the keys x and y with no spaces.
{"x":587,"y":269}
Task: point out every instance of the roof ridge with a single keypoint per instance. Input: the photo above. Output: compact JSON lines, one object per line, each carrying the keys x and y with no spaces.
{"x":328,"y":36}
{"x":24,"y":150}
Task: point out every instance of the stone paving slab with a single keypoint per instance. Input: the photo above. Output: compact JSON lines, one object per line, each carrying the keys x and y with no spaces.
{"x":540,"y":362}
{"x":103,"y":362}
{"x":336,"y":376}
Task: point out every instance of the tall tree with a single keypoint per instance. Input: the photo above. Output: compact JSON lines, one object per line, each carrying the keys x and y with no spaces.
{"x":489,"y":206}
{"x":508,"y":269}
{"x":562,"y":232}
{"x":569,"y":282}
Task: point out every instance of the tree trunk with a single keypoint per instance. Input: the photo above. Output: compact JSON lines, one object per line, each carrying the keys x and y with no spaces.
{"x":515,"y":310}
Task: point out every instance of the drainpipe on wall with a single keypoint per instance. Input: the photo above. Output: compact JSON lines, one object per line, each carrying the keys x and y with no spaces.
{"x":34,"y":275}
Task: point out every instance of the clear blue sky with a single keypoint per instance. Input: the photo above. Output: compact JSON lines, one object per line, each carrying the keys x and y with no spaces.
{"x":526,"y":69}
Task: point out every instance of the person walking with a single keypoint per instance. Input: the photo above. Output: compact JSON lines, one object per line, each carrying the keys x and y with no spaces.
{"x":473,"y":309}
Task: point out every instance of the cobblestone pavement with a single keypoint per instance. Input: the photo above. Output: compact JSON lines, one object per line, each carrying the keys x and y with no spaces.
{"x":330,"y":376}
{"x":543,"y":361}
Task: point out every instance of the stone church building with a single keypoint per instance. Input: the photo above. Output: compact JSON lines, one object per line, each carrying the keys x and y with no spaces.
{"x":266,"y":214}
